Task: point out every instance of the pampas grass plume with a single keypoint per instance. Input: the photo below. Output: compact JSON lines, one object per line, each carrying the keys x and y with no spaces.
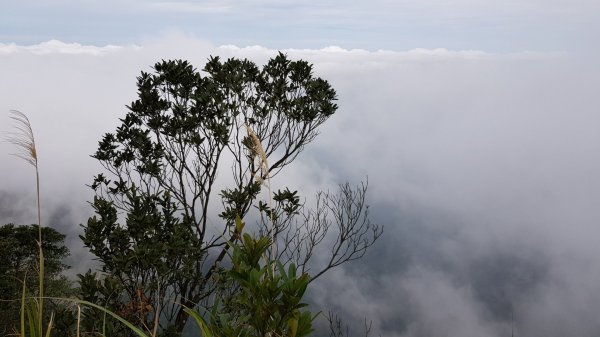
{"x":24,"y":140}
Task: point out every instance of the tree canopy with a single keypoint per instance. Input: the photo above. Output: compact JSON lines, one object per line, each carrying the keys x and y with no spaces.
{"x":153,"y":228}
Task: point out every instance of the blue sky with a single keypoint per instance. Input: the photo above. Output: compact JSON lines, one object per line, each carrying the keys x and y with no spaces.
{"x":494,"y":26}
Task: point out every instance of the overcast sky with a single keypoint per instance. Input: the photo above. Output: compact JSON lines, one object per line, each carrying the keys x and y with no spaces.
{"x":477,"y":123}
{"x":499,"y":26}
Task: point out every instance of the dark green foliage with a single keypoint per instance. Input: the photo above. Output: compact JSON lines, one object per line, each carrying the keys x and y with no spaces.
{"x":145,"y":259}
{"x":287,"y":204}
{"x":269,"y":296}
{"x":106,"y":292}
{"x":19,"y":262}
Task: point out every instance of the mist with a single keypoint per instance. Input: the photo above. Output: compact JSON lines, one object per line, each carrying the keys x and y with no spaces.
{"x":482,"y":167}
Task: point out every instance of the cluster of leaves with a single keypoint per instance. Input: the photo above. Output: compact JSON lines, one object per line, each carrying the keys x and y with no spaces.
{"x":268,"y":300}
{"x":144,"y":259}
{"x":105,"y":292}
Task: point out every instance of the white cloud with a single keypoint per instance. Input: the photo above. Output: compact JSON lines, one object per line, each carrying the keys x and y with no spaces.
{"x":58,"y":47}
{"x":484,"y":152}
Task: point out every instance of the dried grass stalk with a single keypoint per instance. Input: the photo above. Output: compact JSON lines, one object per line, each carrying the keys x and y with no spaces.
{"x":257,"y":150}
{"x":262,"y":175}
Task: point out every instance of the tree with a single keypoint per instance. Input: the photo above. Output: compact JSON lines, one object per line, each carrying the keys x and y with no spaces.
{"x":152,"y":229}
{"x":19,"y":263}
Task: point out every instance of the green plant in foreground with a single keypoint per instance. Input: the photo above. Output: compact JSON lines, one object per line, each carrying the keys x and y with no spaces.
{"x":268,"y":297}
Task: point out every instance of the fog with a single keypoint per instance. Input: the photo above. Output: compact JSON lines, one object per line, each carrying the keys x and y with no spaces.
{"x":482,"y":167}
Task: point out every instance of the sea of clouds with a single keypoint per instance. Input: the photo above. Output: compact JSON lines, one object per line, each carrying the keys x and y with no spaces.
{"x":484,"y":169}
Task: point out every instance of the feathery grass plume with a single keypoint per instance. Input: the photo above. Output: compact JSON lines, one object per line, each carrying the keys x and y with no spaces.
{"x":262,"y":175}
{"x":24,"y":140}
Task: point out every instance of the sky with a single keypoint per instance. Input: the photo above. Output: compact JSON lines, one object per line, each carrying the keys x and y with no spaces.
{"x":495,"y":26}
{"x":476,"y":123}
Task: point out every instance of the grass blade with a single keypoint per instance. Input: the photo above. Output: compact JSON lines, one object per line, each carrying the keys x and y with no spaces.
{"x":133,"y":328}
{"x":204,"y":328}
{"x":23,"y":311}
{"x":50,"y":325}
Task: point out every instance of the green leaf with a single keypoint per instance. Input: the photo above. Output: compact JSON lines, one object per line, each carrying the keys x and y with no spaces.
{"x":23,"y":311}
{"x":239,"y":225}
{"x":202,"y":324}
{"x":49,"y":329}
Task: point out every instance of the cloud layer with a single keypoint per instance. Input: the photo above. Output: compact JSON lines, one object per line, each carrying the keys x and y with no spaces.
{"x":483,"y":167}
